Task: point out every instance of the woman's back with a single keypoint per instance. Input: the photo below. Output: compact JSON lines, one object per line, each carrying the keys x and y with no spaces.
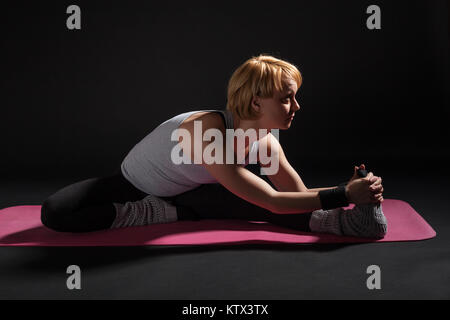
{"x":149,"y":167}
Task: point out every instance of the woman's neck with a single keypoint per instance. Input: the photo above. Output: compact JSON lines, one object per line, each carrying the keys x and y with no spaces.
{"x":249,"y":124}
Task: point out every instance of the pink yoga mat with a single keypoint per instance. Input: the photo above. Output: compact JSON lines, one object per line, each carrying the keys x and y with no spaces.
{"x":21,"y":226}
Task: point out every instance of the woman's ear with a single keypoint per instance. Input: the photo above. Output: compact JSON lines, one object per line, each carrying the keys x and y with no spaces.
{"x":256,"y":104}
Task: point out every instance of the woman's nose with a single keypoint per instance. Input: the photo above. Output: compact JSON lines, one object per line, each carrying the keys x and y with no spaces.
{"x":296,"y":105}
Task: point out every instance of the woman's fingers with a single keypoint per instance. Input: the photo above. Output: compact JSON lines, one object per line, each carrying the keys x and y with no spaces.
{"x":376,"y":188}
{"x":378,"y":201}
{"x":376,"y":180}
{"x":378,"y":195}
{"x":377,"y":198}
{"x":377,"y":191}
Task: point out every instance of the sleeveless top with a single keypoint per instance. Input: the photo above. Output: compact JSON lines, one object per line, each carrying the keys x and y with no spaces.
{"x":149,"y":167}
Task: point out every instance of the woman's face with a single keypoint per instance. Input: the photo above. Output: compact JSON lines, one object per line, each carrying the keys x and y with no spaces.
{"x":278,"y":111}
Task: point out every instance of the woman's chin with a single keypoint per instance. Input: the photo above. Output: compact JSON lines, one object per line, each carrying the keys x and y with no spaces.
{"x":287,"y":125}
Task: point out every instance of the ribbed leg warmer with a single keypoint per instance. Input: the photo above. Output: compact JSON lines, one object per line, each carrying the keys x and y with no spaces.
{"x":366,"y":221}
{"x":147,"y":211}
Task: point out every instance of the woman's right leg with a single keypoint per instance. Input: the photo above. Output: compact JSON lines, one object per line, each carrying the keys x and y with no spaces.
{"x":88,"y":205}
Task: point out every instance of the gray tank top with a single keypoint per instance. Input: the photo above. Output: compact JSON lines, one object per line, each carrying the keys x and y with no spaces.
{"x":149,"y":168}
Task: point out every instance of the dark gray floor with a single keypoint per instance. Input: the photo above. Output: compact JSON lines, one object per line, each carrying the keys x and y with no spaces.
{"x":409,"y":270}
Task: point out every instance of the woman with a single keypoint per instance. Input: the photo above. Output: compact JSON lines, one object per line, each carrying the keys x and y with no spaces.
{"x":153,"y":186}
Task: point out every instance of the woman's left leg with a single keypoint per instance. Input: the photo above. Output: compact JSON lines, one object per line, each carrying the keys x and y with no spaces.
{"x":214,"y":201}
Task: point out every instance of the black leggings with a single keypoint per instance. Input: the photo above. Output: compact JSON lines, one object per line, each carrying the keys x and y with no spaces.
{"x":87,"y":205}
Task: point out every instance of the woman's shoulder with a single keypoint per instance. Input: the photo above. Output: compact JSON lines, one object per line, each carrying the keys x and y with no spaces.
{"x":209,"y":120}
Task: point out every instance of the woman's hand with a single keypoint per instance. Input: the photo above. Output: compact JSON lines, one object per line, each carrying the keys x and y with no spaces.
{"x":364,"y":190}
{"x":376,"y":186}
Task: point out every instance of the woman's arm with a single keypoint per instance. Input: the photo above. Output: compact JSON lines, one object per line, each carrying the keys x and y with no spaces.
{"x":253,"y":189}
{"x":245,"y":184}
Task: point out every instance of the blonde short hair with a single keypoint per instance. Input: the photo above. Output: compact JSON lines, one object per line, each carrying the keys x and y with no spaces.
{"x":258,"y":76}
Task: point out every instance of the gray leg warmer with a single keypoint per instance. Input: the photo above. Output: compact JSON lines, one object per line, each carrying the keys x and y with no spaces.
{"x":366,"y":221}
{"x":147,"y":211}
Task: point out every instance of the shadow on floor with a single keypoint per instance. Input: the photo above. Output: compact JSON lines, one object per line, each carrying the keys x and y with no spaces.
{"x":45,"y":259}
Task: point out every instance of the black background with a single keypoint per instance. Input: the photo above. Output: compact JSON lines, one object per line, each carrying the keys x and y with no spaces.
{"x":74,"y":102}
